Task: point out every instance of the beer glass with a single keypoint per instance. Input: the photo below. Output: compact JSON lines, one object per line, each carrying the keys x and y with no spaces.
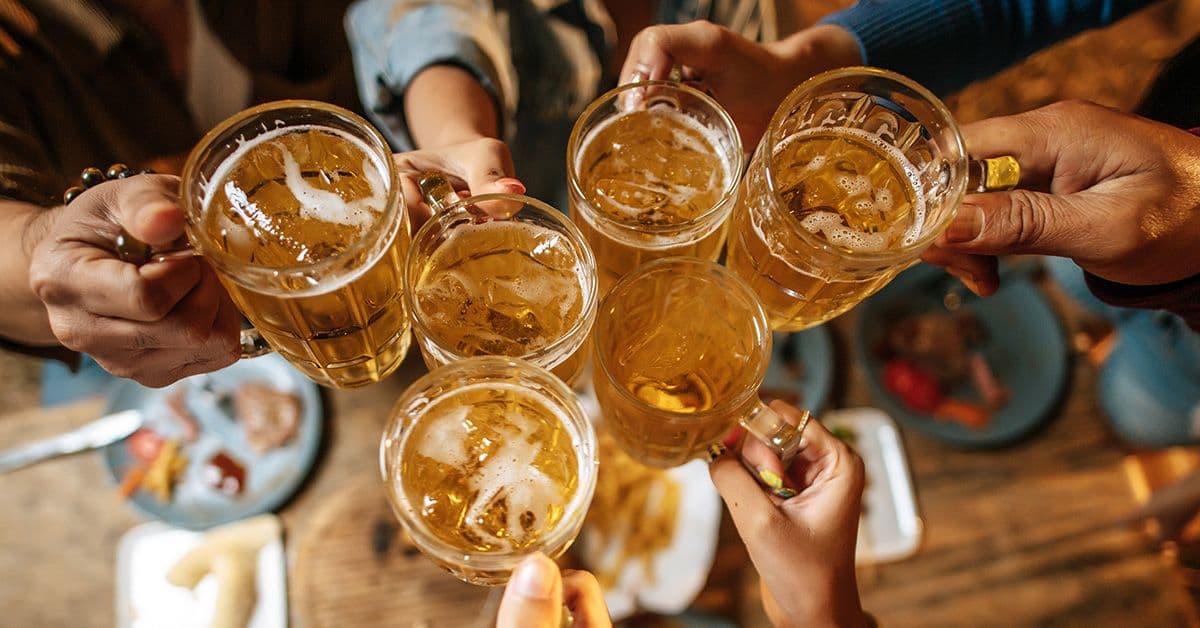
{"x":522,"y":285}
{"x":652,"y":171}
{"x":486,"y":461}
{"x":295,"y":204}
{"x":859,"y":171}
{"x":681,"y":346}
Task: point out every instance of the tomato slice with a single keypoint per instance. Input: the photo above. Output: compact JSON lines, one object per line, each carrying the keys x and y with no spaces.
{"x":918,"y":390}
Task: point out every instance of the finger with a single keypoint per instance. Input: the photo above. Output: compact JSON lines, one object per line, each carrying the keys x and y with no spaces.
{"x":112,"y":288}
{"x":980,"y":273}
{"x":764,"y":461}
{"x":147,"y":206}
{"x":1021,"y":221}
{"x":655,"y":50}
{"x":748,"y":504}
{"x":584,"y":597}
{"x":533,"y":597}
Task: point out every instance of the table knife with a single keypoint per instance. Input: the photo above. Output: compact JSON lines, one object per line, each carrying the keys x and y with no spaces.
{"x":98,"y":433}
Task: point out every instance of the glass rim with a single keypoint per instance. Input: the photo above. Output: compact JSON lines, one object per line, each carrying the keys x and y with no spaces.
{"x":690,"y":265}
{"x":958,"y":186}
{"x":738,"y":157}
{"x":381,"y":233}
{"x":496,"y":369}
{"x":442,"y":219}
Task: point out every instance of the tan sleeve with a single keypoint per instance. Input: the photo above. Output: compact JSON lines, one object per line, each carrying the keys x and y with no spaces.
{"x":26,"y":173}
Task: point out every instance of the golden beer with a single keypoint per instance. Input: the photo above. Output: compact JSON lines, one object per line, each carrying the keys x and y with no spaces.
{"x":294,"y":204}
{"x":857,"y":174}
{"x":652,"y":182}
{"x":486,"y":461}
{"x":681,"y":347}
{"x":522,"y":286}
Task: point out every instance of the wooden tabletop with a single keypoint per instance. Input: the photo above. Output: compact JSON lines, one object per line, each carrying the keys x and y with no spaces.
{"x":1014,"y":537}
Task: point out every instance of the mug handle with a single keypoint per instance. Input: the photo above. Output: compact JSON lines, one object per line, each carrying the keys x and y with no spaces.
{"x":134,"y":251}
{"x":995,"y":174}
{"x":769,"y":427}
{"x":436,"y":190}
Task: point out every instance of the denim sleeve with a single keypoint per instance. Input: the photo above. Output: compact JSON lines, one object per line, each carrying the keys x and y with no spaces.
{"x":393,"y":40}
{"x":945,"y":44}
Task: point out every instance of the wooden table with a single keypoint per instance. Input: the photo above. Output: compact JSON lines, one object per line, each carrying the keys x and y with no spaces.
{"x":1012,"y":537}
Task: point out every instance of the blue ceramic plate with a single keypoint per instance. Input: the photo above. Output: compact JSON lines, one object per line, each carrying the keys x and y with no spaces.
{"x":271,"y":477}
{"x":801,"y":370}
{"x":1024,"y":345}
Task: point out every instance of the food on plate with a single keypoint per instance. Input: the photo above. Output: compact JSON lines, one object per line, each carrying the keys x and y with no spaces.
{"x":144,"y":445}
{"x":633,"y":513}
{"x":270,"y":417}
{"x":926,"y":356}
{"x":230,"y":553}
{"x":165,"y":470}
{"x":224,"y":474}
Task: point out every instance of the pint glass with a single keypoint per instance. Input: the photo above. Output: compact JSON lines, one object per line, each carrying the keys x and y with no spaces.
{"x":681,"y":346}
{"x":859,"y":171}
{"x":522,"y":285}
{"x":296,"y":206}
{"x":652,"y":171}
{"x":486,"y":461}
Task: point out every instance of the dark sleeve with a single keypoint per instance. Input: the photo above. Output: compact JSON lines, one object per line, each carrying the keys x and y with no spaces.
{"x":26,"y":173}
{"x":1179,"y":297}
{"x":945,"y":44}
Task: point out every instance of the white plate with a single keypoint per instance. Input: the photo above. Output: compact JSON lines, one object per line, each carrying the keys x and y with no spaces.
{"x":890,"y":529}
{"x":681,"y":569}
{"x":146,"y":600}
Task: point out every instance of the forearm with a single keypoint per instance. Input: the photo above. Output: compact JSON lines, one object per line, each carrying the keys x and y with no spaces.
{"x":446,"y":105}
{"x":917,"y":37}
{"x":22,"y":315}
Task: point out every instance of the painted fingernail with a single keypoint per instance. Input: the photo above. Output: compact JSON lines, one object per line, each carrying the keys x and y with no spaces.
{"x":534,"y":578}
{"x":513,"y":186}
{"x":967,"y":225}
{"x":716,"y":450}
{"x":784,"y":492}
{"x":770,"y":479}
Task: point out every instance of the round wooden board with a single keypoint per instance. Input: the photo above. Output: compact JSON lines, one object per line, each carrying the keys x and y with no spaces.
{"x":356,"y":567}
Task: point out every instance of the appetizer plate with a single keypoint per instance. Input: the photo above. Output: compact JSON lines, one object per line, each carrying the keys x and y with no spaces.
{"x":801,"y":369}
{"x":890,"y":528}
{"x":146,"y":600}
{"x":271,"y":477}
{"x":1025,"y":347}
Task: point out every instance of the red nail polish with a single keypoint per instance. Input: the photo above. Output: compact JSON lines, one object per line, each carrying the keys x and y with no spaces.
{"x":514,"y":186}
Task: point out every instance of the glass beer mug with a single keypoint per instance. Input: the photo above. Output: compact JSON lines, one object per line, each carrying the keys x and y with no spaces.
{"x":652,"y":171}
{"x":681,"y":346}
{"x":486,"y":461}
{"x":521,"y":285}
{"x":859,"y":171}
{"x":296,"y":205}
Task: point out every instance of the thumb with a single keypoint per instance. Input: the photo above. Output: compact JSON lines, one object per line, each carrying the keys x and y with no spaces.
{"x":1019,"y":221}
{"x":533,"y":597}
{"x":148,"y":208}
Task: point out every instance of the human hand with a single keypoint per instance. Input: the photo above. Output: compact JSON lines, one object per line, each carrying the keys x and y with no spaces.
{"x":1117,"y":193}
{"x":803,"y":546}
{"x":155,"y":323}
{"x":537,"y":593}
{"x":748,"y":79}
{"x":473,"y":167}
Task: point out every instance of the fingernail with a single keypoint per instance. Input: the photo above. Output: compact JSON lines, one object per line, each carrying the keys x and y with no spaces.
{"x":716,"y":450}
{"x":967,"y":225}
{"x":784,"y":492}
{"x":534,"y":578}
{"x":770,"y":479}
{"x":513,"y":186}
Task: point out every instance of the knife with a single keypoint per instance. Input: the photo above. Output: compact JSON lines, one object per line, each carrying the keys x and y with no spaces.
{"x":98,"y":433}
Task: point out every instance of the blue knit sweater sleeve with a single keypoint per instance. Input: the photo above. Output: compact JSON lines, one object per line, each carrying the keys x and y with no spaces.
{"x":945,"y":44}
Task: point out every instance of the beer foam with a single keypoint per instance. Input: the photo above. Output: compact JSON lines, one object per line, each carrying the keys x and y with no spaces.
{"x":634,"y":199}
{"x":552,"y":250}
{"x":507,"y":473}
{"x":830,"y":224}
{"x":315,"y":203}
